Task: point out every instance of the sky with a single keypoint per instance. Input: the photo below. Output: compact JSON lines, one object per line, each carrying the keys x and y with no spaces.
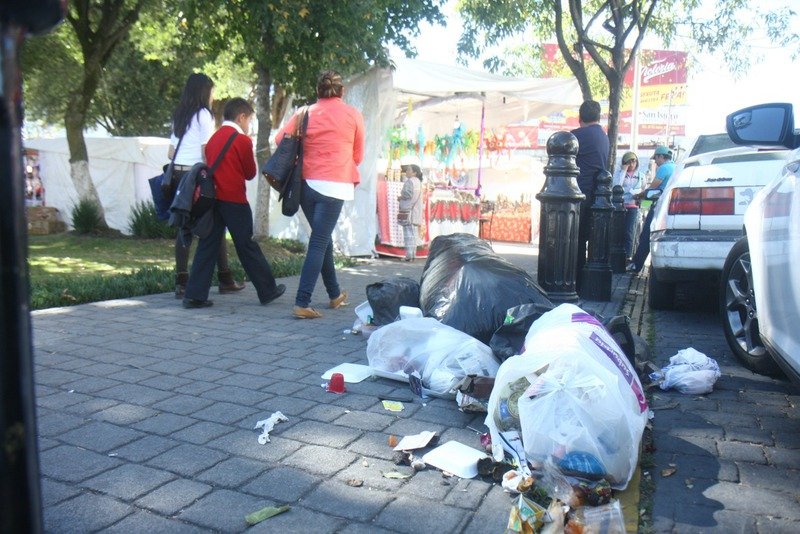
{"x":713,"y":92}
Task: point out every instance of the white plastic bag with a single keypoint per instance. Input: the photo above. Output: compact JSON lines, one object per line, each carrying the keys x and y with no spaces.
{"x":572,"y":391}
{"x":690,"y":371}
{"x":442,"y":355}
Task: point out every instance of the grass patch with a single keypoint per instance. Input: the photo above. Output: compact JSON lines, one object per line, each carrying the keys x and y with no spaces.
{"x":68,"y":269}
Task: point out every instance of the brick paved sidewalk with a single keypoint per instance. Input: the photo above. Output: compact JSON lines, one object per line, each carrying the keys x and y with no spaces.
{"x":146,"y":414}
{"x":736,"y":450}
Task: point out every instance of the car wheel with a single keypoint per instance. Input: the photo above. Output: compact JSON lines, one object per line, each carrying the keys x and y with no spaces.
{"x":738,"y":311}
{"x":660,"y":295}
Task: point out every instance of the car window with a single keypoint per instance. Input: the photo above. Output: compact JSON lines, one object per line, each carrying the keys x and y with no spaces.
{"x":711,"y":143}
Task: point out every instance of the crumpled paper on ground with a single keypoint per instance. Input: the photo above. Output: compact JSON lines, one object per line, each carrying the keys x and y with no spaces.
{"x":268,"y":425}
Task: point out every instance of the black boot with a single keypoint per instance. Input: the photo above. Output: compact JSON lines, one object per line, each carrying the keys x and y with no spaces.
{"x":180,"y":284}
{"x":226,"y":282}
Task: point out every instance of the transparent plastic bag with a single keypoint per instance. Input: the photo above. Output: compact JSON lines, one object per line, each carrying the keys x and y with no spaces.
{"x":573,"y":394}
{"x":443,"y":356}
{"x":691,"y":372}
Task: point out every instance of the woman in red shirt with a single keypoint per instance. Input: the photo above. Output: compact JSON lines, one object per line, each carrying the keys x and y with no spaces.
{"x":333,"y":147}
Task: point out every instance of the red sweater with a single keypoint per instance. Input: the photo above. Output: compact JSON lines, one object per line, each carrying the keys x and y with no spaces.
{"x":238,"y":164}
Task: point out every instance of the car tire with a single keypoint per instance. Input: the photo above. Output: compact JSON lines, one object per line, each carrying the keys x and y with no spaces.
{"x":737,"y":308}
{"x":660,"y":295}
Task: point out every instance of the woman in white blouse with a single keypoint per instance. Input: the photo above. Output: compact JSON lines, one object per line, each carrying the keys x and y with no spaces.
{"x":192,"y":126}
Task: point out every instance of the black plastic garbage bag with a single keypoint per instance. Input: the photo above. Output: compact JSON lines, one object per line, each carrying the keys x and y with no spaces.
{"x":467,"y":286}
{"x":508,"y":340}
{"x":386,"y":297}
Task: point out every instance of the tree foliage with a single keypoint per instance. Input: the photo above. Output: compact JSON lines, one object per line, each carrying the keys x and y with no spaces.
{"x":606,"y":34}
{"x":288,"y":43}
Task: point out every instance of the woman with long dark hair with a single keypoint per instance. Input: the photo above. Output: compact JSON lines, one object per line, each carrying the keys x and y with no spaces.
{"x":333,"y":147}
{"x":192,"y":126}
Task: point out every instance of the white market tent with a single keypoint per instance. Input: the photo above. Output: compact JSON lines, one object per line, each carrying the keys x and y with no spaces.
{"x":119,"y":166}
{"x":438,"y":95}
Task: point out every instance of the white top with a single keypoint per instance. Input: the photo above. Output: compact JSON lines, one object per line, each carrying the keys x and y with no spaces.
{"x":338,"y":190}
{"x":200,"y":129}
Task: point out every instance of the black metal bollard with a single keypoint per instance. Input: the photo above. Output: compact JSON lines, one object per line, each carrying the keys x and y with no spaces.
{"x":559,"y":217}
{"x":596,"y":273}
{"x":616,"y":255}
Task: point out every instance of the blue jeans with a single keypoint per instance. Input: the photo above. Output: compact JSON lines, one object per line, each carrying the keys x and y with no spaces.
{"x":322,"y":213}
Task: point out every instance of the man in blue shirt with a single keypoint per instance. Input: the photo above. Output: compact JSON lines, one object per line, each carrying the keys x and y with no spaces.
{"x":665,"y":167}
{"x":592,"y":158}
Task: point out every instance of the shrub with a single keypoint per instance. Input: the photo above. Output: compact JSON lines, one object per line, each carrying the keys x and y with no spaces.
{"x":144,"y":223}
{"x":292,"y":245}
{"x":68,"y":290}
{"x":86,"y":217}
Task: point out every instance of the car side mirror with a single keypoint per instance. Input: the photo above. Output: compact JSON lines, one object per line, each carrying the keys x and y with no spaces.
{"x":764,"y":124}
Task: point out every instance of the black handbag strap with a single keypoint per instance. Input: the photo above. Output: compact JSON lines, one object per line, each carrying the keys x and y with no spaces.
{"x":302,"y":137}
{"x":222,"y":154}
{"x":175,"y":154}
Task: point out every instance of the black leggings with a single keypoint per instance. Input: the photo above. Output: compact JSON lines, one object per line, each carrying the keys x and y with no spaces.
{"x":184,"y":242}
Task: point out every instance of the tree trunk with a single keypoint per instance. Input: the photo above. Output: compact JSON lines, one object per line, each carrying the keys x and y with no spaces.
{"x":263,"y":150}
{"x":614,"y":98}
{"x":74,"y":120}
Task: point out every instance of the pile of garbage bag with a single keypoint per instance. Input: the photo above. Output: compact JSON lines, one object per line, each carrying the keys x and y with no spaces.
{"x":467,"y":286}
{"x":573,"y":397}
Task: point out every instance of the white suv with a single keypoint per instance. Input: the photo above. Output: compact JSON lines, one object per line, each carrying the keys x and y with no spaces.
{"x":699,"y":216}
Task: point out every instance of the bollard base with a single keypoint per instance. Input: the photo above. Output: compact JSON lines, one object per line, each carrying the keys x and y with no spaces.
{"x":595,"y":284}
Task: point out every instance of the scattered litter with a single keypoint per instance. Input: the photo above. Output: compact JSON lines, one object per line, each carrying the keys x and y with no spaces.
{"x":689,"y":483}
{"x":268,"y":425}
{"x":527,"y":516}
{"x":417,"y":441}
{"x":393,"y":406}
{"x":668,"y":472}
{"x":392,"y":441}
{"x":352,"y":372}
{"x":354,"y":482}
{"x":469,"y":404}
{"x":336,"y":384}
{"x":689,"y":371}
{"x":71,"y":391}
{"x":415,"y":383}
{"x":396,"y":475}
{"x":398,"y":398}
{"x":456,"y":458}
{"x":417,"y":464}
{"x":607,"y":519}
{"x":265,"y":513}
{"x":112,"y":454}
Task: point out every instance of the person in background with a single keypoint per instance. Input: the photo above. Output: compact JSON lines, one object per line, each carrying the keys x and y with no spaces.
{"x":592,"y":158}
{"x":192,"y":126}
{"x":665,"y":167}
{"x":333,"y":147}
{"x":411,"y":201}
{"x":231,"y":210}
{"x":631,"y":181}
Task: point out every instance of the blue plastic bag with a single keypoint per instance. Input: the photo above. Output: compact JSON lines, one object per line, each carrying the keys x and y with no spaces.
{"x":161,"y":203}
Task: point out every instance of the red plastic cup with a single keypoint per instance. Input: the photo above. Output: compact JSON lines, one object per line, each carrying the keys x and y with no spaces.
{"x":336,"y":383}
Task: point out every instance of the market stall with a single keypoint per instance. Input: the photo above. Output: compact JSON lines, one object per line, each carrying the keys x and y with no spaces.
{"x":440,"y":114}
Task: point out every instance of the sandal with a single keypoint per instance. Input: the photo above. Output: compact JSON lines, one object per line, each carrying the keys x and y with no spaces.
{"x":306,"y":313}
{"x":341,"y":300}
